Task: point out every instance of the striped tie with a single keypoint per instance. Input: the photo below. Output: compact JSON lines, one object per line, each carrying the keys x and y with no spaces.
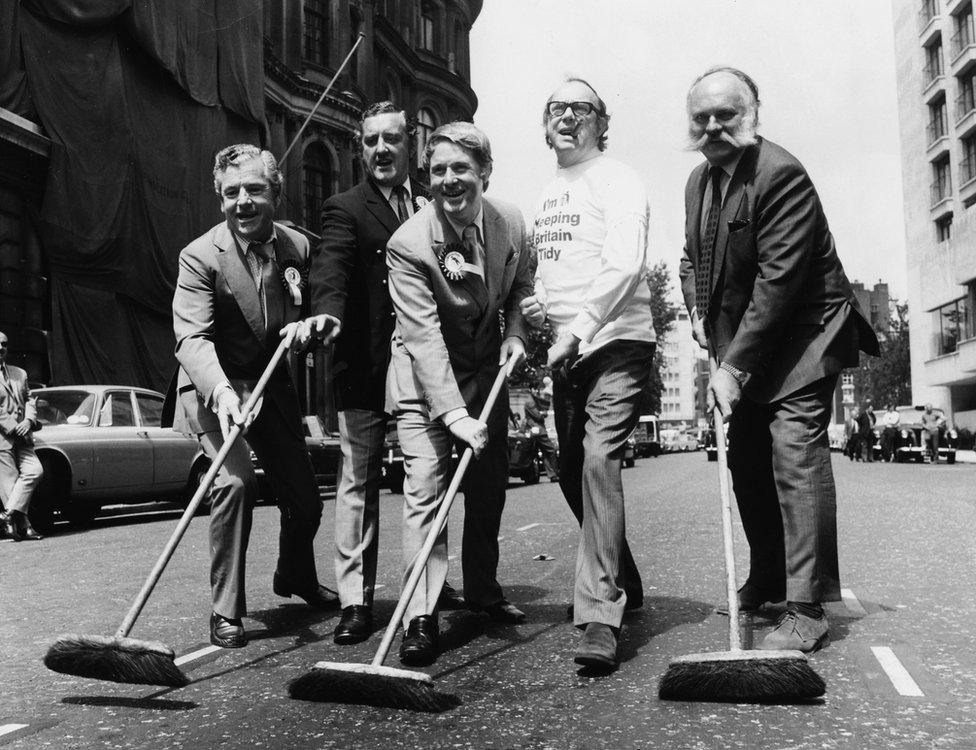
{"x":703,"y":276}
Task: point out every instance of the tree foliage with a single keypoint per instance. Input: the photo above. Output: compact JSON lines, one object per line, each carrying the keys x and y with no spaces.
{"x":664,"y":312}
{"x":887,"y":379}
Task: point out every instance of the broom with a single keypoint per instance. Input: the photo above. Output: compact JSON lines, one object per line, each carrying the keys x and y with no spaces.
{"x":122,"y":659}
{"x":737,"y":675}
{"x":387,"y":687}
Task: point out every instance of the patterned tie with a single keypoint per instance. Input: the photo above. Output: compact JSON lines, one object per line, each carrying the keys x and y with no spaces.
{"x":401,"y":198}
{"x":270,"y":291}
{"x":703,"y":277}
{"x":473,"y":244}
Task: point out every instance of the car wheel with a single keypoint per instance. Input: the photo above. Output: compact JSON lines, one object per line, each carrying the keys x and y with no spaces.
{"x":52,"y":490}
{"x":197,"y":473}
{"x":629,"y":463}
{"x":531,"y":475}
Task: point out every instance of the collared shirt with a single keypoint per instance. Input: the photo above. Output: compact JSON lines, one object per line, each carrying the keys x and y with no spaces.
{"x":249,"y":248}
{"x":479,"y":223}
{"x":387,"y":191}
{"x":725,"y":180}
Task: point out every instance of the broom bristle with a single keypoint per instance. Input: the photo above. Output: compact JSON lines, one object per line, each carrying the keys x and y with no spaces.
{"x":115,"y":659}
{"x":383,"y":687}
{"x":742,"y":677}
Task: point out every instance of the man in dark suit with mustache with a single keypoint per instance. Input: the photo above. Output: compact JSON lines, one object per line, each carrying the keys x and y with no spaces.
{"x":769,"y":298}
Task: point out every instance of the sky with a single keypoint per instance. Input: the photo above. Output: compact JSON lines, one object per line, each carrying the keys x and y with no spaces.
{"x":826,"y":76}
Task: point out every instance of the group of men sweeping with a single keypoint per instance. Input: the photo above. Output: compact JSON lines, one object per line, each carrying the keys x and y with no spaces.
{"x":426,"y":291}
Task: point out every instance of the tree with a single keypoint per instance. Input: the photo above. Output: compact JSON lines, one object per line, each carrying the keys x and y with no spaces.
{"x":664,"y":312}
{"x":887,"y":379}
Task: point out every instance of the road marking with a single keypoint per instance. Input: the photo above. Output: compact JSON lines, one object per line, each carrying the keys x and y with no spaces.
{"x":8,"y":728}
{"x":194,"y":655}
{"x":852,"y":603}
{"x":897,"y":673}
{"x":530,"y":526}
{"x":379,"y":586}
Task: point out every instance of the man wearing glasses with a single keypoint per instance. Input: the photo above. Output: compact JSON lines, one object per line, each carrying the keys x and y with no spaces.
{"x":590,"y":235}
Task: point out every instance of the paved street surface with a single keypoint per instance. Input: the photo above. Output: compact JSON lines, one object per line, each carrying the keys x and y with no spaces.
{"x":901,"y":671}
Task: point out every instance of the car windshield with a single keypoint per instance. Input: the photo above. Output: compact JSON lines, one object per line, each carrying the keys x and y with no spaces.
{"x":65,"y":408}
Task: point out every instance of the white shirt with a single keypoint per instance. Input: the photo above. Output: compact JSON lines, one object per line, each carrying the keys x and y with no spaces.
{"x":387,"y":191}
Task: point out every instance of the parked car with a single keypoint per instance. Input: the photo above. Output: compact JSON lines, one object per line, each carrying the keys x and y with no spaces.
{"x":910,"y":442}
{"x":103,"y":444}
{"x":678,"y":441}
{"x":647,"y":441}
{"x":324,"y":450}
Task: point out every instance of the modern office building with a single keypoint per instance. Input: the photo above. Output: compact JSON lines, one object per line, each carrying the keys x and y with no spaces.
{"x":935,"y":49}
{"x":679,"y":373}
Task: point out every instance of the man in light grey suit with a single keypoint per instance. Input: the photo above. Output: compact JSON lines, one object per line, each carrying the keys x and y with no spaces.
{"x":453,"y":267}
{"x":20,"y":469}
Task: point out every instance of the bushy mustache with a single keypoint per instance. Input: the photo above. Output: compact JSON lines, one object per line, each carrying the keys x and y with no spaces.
{"x":743,"y":136}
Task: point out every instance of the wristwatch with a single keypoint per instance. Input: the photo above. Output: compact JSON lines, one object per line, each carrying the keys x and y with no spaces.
{"x":740,"y":376}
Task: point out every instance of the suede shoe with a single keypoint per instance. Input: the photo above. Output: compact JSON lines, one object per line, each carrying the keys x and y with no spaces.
{"x":317,"y":597}
{"x":355,"y":625}
{"x":797,"y":632}
{"x":503,"y":611}
{"x":450,"y":598}
{"x":226,"y":633}
{"x":598,"y":647}
{"x":419,"y":645}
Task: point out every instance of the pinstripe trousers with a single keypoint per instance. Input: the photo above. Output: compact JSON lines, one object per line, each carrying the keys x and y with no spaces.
{"x":596,"y":401}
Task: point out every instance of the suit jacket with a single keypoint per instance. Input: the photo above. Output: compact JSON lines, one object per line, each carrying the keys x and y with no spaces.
{"x":447,"y":337}
{"x":220,"y":332}
{"x":781,"y":306}
{"x":349,"y":282}
{"x":15,"y":406}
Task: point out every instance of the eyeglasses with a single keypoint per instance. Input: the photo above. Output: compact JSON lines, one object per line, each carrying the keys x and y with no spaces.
{"x":580,"y":109}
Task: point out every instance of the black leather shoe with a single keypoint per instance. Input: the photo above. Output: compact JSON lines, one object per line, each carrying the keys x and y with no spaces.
{"x":355,"y":626}
{"x":9,"y":526}
{"x":503,"y":611}
{"x":30,"y":534}
{"x":319,"y":597}
{"x":226,"y":633}
{"x":450,"y":598}
{"x":419,"y":645}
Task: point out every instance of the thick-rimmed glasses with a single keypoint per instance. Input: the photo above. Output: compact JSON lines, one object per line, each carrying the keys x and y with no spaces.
{"x":580,"y":109}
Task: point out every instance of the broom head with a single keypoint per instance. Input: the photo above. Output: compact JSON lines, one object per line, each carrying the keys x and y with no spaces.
{"x":742,"y":676}
{"x":115,"y":659}
{"x":368,"y":685}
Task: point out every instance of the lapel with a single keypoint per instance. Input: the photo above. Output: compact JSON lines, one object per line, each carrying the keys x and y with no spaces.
{"x":496,"y":248}
{"x":695,"y":210}
{"x":285,"y":250}
{"x":377,"y":205}
{"x":730,"y":208}
{"x":9,"y":386}
{"x":442,"y":231}
{"x":238,"y":277}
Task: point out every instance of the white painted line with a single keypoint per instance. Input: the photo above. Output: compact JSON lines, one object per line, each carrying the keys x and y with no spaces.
{"x":193,"y":655}
{"x":852,"y":603}
{"x":379,"y":586}
{"x":530,"y":526}
{"x":8,"y":728}
{"x":896,"y":672}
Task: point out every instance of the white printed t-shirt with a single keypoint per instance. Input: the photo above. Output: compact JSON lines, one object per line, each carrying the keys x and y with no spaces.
{"x":590,"y":235}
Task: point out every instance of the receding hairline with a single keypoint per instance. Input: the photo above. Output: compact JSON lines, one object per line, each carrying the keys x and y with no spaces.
{"x":581,"y":82}
{"x":749,"y":98}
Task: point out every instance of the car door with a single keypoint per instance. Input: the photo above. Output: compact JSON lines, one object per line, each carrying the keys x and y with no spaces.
{"x":173,"y":452}
{"x":122,"y":457}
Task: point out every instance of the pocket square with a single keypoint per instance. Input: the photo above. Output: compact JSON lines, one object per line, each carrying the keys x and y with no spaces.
{"x":735,"y":224}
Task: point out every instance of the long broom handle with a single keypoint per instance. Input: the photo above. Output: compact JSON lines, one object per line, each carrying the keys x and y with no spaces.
{"x":440,"y":520}
{"x":732,"y":593}
{"x":208,"y":478}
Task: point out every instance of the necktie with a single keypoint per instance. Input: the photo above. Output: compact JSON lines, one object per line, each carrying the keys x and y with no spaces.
{"x":401,"y":201}
{"x":473,"y":244}
{"x":703,"y":278}
{"x":270,"y":291}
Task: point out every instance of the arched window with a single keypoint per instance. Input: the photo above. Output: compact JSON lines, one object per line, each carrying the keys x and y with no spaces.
{"x":426,"y":122}
{"x":317,"y":179}
{"x":428,"y":22}
{"x":317,"y":31}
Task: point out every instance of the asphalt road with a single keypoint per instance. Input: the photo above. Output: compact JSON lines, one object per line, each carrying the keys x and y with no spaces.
{"x":901,"y":671}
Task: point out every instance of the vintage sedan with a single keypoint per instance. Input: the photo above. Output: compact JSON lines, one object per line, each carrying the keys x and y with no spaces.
{"x":104,"y":444}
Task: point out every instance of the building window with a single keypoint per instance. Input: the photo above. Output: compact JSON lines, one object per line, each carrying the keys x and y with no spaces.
{"x":425,"y":126}
{"x":943,"y":228}
{"x":966,"y":101}
{"x":428,"y":16}
{"x":928,"y":11}
{"x":967,"y":168}
{"x":941,"y":180}
{"x":937,"y":121}
{"x":933,"y":62}
{"x":317,"y":178}
{"x":317,"y":31}
{"x":952,"y":323}
{"x":963,"y":36}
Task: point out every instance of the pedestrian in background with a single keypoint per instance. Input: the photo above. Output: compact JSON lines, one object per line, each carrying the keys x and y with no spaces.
{"x":536,"y":411}
{"x":889,"y":432}
{"x":852,"y":449}
{"x":20,"y":469}
{"x":865,"y":431}
{"x":768,"y":296}
{"x":932,"y":423}
{"x":590,"y":236}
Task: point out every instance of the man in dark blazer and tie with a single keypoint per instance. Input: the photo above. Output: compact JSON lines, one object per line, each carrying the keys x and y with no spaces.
{"x":455,"y":266}
{"x":769,"y":298}
{"x":239,"y":284}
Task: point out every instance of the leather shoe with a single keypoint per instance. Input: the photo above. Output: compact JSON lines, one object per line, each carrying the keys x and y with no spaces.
{"x":797,"y":632}
{"x":752,"y":598}
{"x":9,"y":527}
{"x":598,"y":647}
{"x":503,"y":611}
{"x":30,"y":534}
{"x":355,"y":626}
{"x":450,"y":598}
{"x":318,"y":597}
{"x":419,"y":645}
{"x":226,"y":633}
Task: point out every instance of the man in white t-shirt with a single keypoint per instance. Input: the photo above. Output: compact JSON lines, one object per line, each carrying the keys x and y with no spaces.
{"x":590,"y":235}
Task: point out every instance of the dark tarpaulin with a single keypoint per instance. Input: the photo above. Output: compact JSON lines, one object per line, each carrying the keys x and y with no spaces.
{"x":136,"y":97}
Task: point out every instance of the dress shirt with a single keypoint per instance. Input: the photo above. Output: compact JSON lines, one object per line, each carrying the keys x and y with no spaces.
{"x":387,"y":191}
